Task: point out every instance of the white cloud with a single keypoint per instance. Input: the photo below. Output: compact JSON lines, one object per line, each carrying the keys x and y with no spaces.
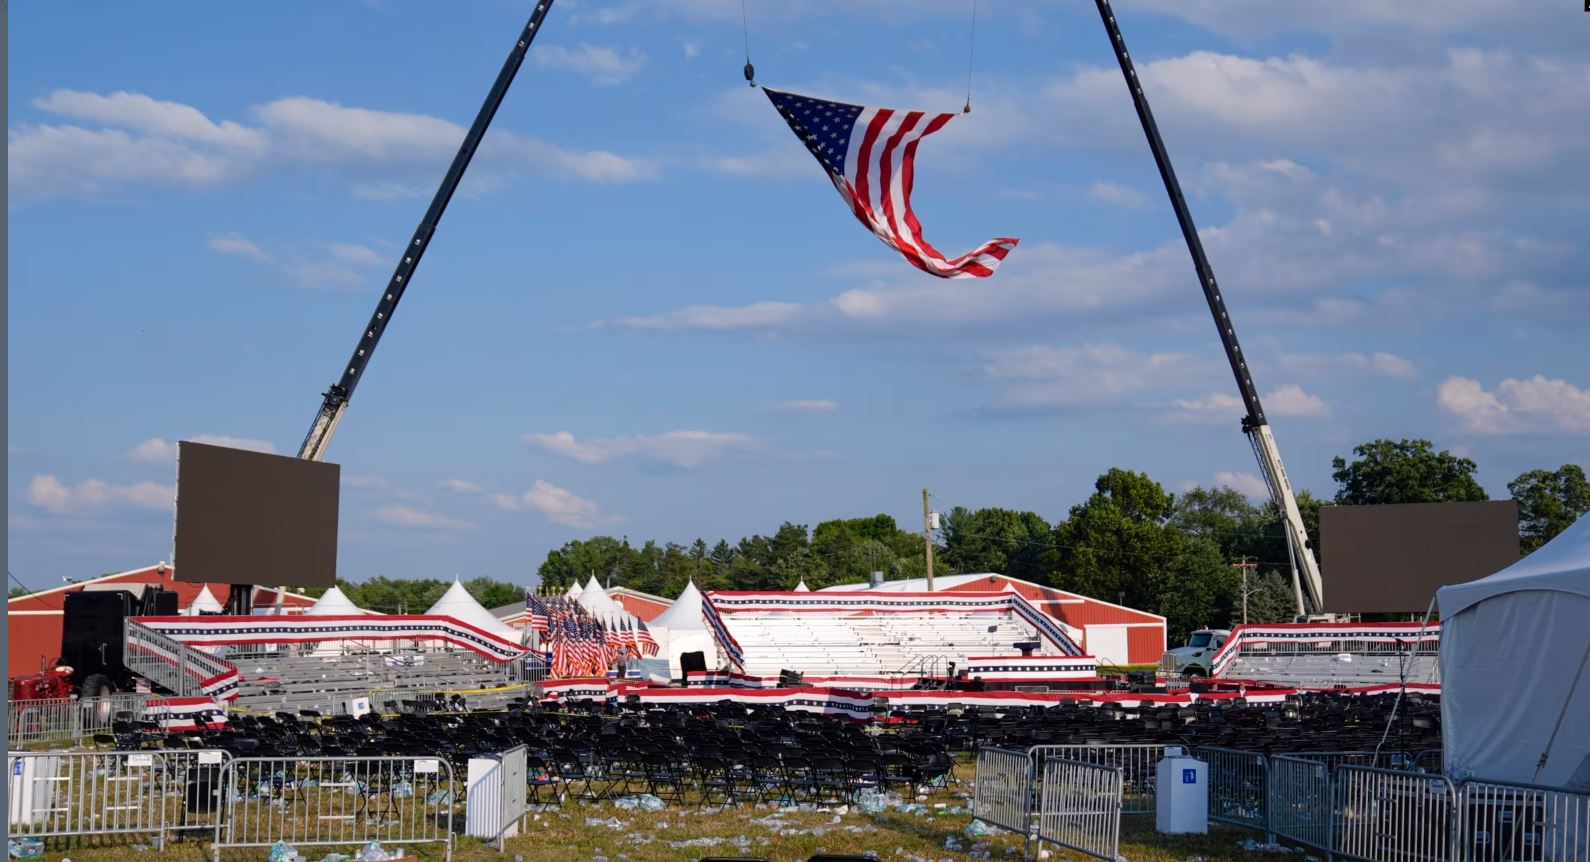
{"x":338,"y":272}
{"x":1247,"y":484}
{"x":1038,"y":378}
{"x":386,"y":190}
{"x":51,"y":494}
{"x":1288,"y":400}
{"x":761,"y":315}
{"x":237,"y":244}
{"x":132,"y":140}
{"x":692,"y":50}
{"x":1291,"y":400}
{"x":459,"y":486}
{"x":599,"y":64}
{"x":559,"y":505}
{"x":680,"y":448}
{"x":1118,"y":195}
{"x":407,"y":516}
{"x":1336,"y":364}
{"x":156,"y":450}
{"x":1535,"y":406}
{"x":807,"y":406}
{"x":357,"y":255}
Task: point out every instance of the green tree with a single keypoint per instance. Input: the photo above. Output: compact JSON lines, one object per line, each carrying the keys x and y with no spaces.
{"x":1548,"y":502}
{"x":17,"y":591}
{"x":997,"y":540}
{"x":492,"y":593}
{"x":1221,"y":515}
{"x":1404,"y":471}
{"x":1119,"y":545}
{"x":578,"y":560}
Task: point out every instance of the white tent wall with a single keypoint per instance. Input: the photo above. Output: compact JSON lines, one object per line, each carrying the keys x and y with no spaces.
{"x":1506,"y":665}
{"x":1513,"y":669}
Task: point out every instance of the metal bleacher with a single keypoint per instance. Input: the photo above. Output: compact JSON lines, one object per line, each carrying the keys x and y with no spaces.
{"x":821,"y":644}
{"x":402,"y":682}
{"x":1328,"y":670}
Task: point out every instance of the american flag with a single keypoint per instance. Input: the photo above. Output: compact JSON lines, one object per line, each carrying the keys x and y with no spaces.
{"x":536,"y":613}
{"x":647,"y":643}
{"x":869,"y":154}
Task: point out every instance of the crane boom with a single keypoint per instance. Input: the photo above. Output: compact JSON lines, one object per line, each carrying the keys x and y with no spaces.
{"x":336,"y":398}
{"x":334,"y":401}
{"x":1253,"y":423}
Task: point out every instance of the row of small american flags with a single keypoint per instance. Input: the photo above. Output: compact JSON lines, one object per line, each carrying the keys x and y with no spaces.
{"x":581,"y":644}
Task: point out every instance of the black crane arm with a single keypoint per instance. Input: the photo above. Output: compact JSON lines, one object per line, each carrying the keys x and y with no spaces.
{"x":337,"y":396}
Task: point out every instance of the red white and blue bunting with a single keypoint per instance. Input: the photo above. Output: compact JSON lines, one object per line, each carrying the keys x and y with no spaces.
{"x":1425,"y":638}
{"x":233,"y":631}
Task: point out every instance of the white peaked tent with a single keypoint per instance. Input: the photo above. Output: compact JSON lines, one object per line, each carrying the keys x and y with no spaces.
{"x":573,"y":592}
{"x":334,"y":602}
{"x":682,"y":629}
{"x":599,"y":604}
{"x":801,"y":587}
{"x":460,"y":605}
{"x":1515,"y":688}
{"x":204,"y":602}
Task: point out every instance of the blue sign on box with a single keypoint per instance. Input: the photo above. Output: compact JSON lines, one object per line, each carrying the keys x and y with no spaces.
{"x":1189,"y":776}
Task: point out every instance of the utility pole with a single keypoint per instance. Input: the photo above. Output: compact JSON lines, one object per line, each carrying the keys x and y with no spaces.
{"x":1245,"y":566}
{"x":927,"y":536}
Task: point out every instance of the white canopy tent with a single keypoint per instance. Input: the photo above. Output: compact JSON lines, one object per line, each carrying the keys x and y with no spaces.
{"x":679,"y":630}
{"x":334,"y":602}
{"x":801,"y":587}
{"x":204,"y":602}
{"x":599,"y":604}
{"x":1515,"y":689}
{"x":460,"y":605}
{"x":573,"y":592}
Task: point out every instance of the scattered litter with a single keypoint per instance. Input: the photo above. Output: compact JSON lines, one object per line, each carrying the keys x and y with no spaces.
{"x":374,"y":852}
{"x":402,"y":790}
{"x":640,"y":802}
{"x":439,"y":796}
{"x":611,"y":823}
{"x":1251,"y":846}
{"x":26,"y":848}
{"x":281,"y":851}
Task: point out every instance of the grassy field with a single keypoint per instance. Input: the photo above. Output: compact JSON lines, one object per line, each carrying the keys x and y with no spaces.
{"x":684,"y":834}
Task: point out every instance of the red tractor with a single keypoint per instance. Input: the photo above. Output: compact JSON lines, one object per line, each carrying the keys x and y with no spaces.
{"x":93,"y":642}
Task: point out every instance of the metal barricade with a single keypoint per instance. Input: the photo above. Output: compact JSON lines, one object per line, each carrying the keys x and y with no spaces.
{"x":335,"y":801}
{"x":1386,"y":759}
{"x":155,"y":793}
{"x":495,"y":795}
{"x":1139,"y":766}
{"x":1002,"y":794}
{"x":1300,"y":800}
{"x":1500,"y":822}
{"x":1386,"y":815}
{"x":1079,"y":807}
{"x":1238,"y":782}
{"x":66,"y":719}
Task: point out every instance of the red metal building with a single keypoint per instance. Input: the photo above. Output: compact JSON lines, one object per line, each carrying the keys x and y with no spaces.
{"x":33,"y":634}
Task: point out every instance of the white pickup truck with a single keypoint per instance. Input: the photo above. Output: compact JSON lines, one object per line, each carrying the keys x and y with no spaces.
{"x":1194,"y":658}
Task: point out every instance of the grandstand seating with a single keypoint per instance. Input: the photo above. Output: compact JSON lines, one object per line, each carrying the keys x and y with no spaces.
{"x":323,"y":683}
{"x":1322,"y":670}
{"x":822,"y":644}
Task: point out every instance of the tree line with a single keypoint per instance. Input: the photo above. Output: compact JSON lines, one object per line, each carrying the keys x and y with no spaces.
{"x":1130,"y":541}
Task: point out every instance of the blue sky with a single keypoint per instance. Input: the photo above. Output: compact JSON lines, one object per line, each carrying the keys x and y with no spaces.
{"x":647,"y":312}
